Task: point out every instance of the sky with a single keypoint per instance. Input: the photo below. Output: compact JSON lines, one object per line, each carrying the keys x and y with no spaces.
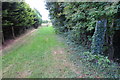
{"x":40,"y":6}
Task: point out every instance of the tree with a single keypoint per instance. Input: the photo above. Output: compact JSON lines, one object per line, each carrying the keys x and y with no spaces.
{"x":17,"y":17}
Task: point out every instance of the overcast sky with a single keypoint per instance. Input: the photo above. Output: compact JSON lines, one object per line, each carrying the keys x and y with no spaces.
{"x":40,"y":6}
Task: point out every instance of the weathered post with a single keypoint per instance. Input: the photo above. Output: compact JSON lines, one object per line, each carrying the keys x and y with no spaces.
{"x":13,"y":34}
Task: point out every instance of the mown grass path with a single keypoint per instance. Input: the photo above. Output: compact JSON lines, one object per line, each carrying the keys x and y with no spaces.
{"x":41,"y":54}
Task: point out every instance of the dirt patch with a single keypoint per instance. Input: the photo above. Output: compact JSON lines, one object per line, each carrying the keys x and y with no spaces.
{"x":60,"y":56}
{"x":24,"y":74}
{"x":58,"y":51}
{"x":7,"y":68}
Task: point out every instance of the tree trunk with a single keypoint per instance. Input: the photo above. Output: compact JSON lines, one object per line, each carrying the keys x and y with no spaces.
{"x":13,"y":32}
{"x":98,"y":37}
{"x":3,"y":38}
{"x":111,"y":50}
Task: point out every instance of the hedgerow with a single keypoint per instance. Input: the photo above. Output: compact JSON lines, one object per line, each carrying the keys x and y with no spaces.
{"x":17,"y":17}
{"x":78,"y":20}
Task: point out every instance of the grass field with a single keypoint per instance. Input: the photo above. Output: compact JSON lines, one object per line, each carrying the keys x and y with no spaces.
{"x":41,"y":55}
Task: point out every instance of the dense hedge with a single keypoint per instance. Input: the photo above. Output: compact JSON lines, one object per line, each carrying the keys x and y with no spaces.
{"x":94,"y":25}
{"x":17,"y":17}
{"x":78,"y":20}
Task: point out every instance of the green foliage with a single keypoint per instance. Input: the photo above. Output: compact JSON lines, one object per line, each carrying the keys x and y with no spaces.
{"x":19,"y":14}
{"x":100,"y":64}
{"x":38,"y":18}
{"x":56,"y":15}
{"x":45,"y":21}
{"x":77,"y":20}
{"x":93,"y":64}
{"x":20,"y":17}
{"x":80,"y":18}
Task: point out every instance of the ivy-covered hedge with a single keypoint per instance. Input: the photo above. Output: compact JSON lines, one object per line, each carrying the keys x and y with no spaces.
{"x":78,"y":20}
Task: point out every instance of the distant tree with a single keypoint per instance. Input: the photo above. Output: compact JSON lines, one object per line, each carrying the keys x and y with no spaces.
{"x":45,"y":21}
{"x":38,"y":18}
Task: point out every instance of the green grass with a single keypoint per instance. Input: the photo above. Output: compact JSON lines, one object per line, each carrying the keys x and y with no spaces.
{"x":34,"y":55}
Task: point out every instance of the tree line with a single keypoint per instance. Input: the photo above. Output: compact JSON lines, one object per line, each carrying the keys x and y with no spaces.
{"x":18,"y":17}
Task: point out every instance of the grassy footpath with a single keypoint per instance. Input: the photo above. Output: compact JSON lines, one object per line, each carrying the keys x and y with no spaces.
{"x":41,"y":55}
